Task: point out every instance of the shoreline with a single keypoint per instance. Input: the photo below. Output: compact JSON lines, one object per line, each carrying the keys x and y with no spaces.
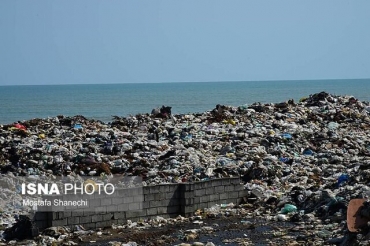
{"x":101,"y":102}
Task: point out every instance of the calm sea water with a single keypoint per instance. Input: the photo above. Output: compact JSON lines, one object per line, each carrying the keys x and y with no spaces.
{"x":104,"y":100}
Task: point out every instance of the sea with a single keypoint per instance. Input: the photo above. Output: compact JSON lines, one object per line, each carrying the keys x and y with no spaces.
{"x":102,"y":101}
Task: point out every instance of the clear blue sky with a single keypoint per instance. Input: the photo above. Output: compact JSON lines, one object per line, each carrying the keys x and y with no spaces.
{"x":89,"y":41}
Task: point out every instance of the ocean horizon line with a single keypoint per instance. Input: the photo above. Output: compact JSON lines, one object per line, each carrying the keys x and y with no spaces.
{"x":182,"y":82}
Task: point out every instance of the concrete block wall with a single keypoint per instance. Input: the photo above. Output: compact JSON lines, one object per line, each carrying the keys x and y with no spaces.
{"x":205,"y":194}
{"x":166,"y":200}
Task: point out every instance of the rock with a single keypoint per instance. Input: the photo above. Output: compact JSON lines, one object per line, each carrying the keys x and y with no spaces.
{"x":198,"y":244}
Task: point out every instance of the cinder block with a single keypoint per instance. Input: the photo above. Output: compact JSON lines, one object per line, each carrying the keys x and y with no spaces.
{"x":224,"y":196}
{"x":229,"y":188}
{"x":103,"y":224}
{"x":196,"y":200}
{"x":77,"y":213}
{"x":122,"y":192}
{"x":225,"y":181}
{"x":188,"y":201}
{"x":172,"y":187}
{"x":188,"y":209}
{"x":137,"y":191}
{"x":146,"y":190}
{"x":196,"y":206}
{"x":129,"y":192}
{"x":110,"y":216}
{"x":96,"y":218}
{"x":117,"y":200}
{"x":88,"y":213}
{"x":117,"y":215}
{"x":149,"y":197}
{"x":204,"y":199}
{"x":139,"y":198}
{"x":155,"y":204}
{"x":112,"y":208}
{"x":239,"y":187}
{"x":129,"y":199}
{"x":62,"y":222}
{"x":106,"y":202}
{"x":208,"y":184}
{"x":159,"y":196}
{"x":118,"y":222}
{"x":123,"y":207}
{"x":216,"y":182}
{"x":189,"y":194}
{"x":135,"y":206}
{"x":55,"y":216}
{"x":89,"y":225}
{"x":189,"y":187}
{"x":154,"y":189}
{"x":164,"y":188}
{"x":235,"y":180}
{"x":135,"y":214}
{"x":67,"y":214}
{"x":146,"y":205}
{"x":100,"y":210}
{"x":169,"y":195}
{"x":85,"y":219}
{"x":214,"y":197}
{"x":210,"y":190}
{"x":197,"y":186}
{"x":89,"y":197}
{"x":200,"y":192}
{"x":162,"y":210}
{"x":234,"y":194}
{"x":152,"y":211}
{"x":102,"y":195}
{"x":172,"y":195}
{"x":219,"y":189}
{"x":202,"y":205}
{"x":73,"y":220}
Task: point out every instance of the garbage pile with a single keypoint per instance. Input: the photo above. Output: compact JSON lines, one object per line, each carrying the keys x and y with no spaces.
{"x":299,"y":158}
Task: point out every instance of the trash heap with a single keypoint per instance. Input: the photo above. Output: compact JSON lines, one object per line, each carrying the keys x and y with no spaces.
{"x":298,"y":158}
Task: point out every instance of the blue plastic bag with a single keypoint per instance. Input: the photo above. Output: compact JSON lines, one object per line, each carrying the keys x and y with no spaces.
{"x":342,"y":179}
